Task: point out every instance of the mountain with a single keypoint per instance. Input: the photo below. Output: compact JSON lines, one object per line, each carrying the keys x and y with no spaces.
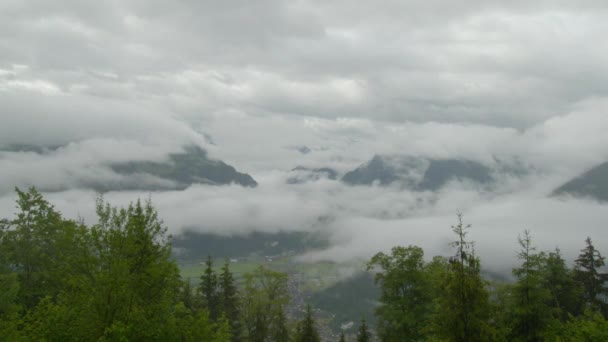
{"x":302,"y":174}
{"x":418,"y":173}
{"x":187,"y":168}
{"x":182,"y":169}
{"x":593,"y":184}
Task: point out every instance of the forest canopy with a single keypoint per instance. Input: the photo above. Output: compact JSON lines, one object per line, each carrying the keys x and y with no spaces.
{"x":116,"y":280}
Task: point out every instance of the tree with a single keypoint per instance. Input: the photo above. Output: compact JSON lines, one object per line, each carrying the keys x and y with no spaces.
{"x":307,"y":332}
{"x":532,"y":313}
{"x":591,"y":326}
{"x":406,"y":297}
{"x":208,"y":289}
{"x":587,"y":273}
{"x":38,"y":245}
{"x":363,"y":334}
{"x":265,"y":295}
{"x":462,"y":310}
{"x":279,"y":332}
{"x":228,"y":298}
{"x":565,"y":291}
{"x":342,"y":337}
{"x":133,"y":281}
{"x":186,"y":295}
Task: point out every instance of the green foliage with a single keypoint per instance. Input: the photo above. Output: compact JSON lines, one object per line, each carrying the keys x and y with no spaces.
{"x":462,"y":311}
{"x":590,"y":327}
{"x":406,"y":299}
{"x":208,"y":290}
{"x":264,"y":297}
{"x":38,"y":244}
{"x":307,"y":332}
{"x":134,"y":280}
{"x":363,"y":334}
{"x":565,"y":291}
{"x":587,"y":272}
{"x":116,"y":281}
{"x":531,"y":312}
{"x":229,"y":301}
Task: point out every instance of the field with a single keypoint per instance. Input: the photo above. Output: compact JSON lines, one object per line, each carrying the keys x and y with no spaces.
{"x":312,"y":277}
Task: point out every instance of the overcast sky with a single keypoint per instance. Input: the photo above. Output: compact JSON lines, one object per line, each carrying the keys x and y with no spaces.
{"x":251,"y":81}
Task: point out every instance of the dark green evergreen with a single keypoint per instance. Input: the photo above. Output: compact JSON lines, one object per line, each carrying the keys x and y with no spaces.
{"x":209,"y":290}
{"x":565,"y":292}
{"x":532,"y":313}
{"x":229,"y":301}
{"x":462,"y":311}
{"x":588,"y":273}
{"x":363,"y":334}
{"x":307,"y":331}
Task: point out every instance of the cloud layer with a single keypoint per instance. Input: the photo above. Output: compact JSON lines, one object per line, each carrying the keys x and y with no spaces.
{"x":270,"y":85}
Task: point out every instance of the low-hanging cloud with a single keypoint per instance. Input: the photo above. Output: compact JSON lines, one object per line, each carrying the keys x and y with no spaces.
{"x":256,"y":82}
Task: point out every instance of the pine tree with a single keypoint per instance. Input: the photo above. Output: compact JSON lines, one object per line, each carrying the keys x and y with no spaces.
{"x":462,"y":307}
{"x":532,"y":313}
{"x":228,"y":297}
{"x":565,"y":291}
{"x":279,"y":328}
{"x":186,"y":295}
{"x":208,"y":289}
{"x":363,"y":335}
{"x":307,"y":332}
{"x":587,"y":272}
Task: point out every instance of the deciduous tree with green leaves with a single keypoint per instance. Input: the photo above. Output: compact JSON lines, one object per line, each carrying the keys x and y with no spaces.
{"x":264,"y":297}
{"x":406,"y":297}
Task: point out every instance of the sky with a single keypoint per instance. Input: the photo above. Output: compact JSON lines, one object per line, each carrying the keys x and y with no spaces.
{"x":254,"y":81}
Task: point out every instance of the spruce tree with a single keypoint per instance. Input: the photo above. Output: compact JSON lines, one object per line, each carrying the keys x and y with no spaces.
{"x":279,"y":328}
{"x":228,"y":297}
{"x":532,"y":313}
{"x":565,"y":291}
{"x":587,"y":272}
{"x":208,"y":289}
{"x":363,"y":335}
{"x":307,"y":332}
{"x":462,"y":310}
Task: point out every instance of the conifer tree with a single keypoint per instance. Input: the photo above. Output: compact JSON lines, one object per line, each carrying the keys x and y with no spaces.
{"x":208,"y":289}
{"x":565,"y":291}
{"x":228,"y":297}
{"x":532,"y":313}
{"x":463,"y":308}
{"x":342,"y":337}
{"x":186,"y":295}
{"x":588,"y":272}
{"x":363,"y":334}
{"x":307,"y":332}
{"x":279,"y":328}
